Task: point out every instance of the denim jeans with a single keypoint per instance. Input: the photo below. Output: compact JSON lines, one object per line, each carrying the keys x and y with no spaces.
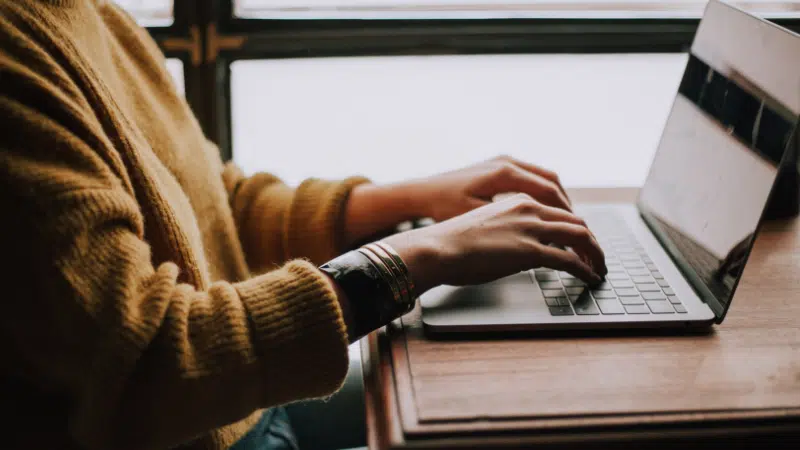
{"x":336,"y":423}
{"x":272,"y":432}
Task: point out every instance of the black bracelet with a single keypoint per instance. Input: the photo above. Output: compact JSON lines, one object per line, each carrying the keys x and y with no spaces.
{"x":370,"y":296}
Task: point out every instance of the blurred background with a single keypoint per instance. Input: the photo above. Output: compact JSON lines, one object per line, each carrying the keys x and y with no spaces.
{"x":393,"y":89}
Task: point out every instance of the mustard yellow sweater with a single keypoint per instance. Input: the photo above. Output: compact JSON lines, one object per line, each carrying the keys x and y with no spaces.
{"x":144,"y":304}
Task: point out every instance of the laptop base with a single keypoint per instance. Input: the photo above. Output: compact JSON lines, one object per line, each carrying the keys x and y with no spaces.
{"x":527,"y":302}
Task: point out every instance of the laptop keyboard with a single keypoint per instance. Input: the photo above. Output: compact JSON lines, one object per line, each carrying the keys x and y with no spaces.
{"x":634,"y":285}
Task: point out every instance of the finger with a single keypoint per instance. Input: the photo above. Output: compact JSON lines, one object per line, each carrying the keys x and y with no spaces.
{"x":542,"y":189}
{"x":540,"y":171}
{"x":566,"y":261}
{"x":551,"y":214}
{"x":578,"y":238}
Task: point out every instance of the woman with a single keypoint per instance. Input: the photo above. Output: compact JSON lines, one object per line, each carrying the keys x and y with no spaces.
{"x":155,"y":297}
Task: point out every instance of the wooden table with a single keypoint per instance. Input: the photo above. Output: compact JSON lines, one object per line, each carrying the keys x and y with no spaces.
{"x":738,"y":384}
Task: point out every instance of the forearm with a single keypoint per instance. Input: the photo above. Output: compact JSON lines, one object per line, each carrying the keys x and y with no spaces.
{"x":372,"y":209}
{"x":173,"y":360}
{"x":278,"y":223}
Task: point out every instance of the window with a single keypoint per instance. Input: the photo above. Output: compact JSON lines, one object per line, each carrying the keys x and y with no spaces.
{"x":149,"y":13}
{"x":318,"y":9}
{"x":596,"y":119}
{"x":175,"y":68}
{"x":251,"y":65}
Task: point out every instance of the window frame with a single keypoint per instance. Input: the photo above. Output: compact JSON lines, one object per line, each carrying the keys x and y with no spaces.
{"x":208,"y":87}
{"x":286,"y":38}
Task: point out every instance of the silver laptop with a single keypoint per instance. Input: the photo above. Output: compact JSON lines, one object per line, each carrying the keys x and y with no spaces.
{"x":676,"y":256}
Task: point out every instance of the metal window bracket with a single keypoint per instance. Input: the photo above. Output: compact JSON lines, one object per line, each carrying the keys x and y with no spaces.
{"x":193,"y":45}
{"x":216,"y":42}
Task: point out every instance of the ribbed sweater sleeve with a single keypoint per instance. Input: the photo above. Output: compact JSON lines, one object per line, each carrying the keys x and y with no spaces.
{"x":141,"y":357}
{"x":277,"y":223}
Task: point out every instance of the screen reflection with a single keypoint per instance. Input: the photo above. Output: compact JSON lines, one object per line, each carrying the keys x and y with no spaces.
{"x":713,"y":172}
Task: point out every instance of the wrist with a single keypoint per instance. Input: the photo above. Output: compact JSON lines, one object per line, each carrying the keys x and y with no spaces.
{"x":402,"y":200}
{"x":376,"y":208}
{"x":420,"y":256}
{"x":344,"y":303}
{"x":364,"y":292}
{"x":412,"y":197}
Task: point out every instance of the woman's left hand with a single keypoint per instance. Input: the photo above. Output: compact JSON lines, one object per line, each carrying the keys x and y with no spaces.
{"x":450,"y":194}
{"x":373,"y":208}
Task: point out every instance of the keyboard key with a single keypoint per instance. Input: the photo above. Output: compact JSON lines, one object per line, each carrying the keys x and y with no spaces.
{"x":637,"y":309}
{"x":660,"y":307}
{"x":625,"y":250}
{"x":657,"y":275}
{"x":652,"y":267}
{"x":604,"y":286}
{"x":648,"y":287}
{"x":616,"y":276}
{"x":647,"y":259}
{"x":584,"y":305}
{"x":604,"y":294}
{"x":643,"y":279}
{"x":631,"y":300}
{"x":622,"y":283}
{"x":575,"y":290}
{"x":663,"y":283}
{"x":550,"y":284}
{"x":680,"y":308}
{"x":553,"y":292}
{"x":669,"y":291}
{"x":632,"y":264}
{"x":565,"y":275}
{"x":674,"y":300}
{"x":573,"y":282}
{"x":610,"y":307}
{"x":653,"y":296}
{"x":560,"y":311}
{"x":627,"y":292}
{"x":543,"y":270}
{"x":547,"y":276}
{"x":638,"y":272}
{"x":633,"y":257}
{"x":556,"y":301}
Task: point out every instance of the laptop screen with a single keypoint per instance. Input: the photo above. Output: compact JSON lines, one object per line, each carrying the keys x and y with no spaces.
{"x":732,"y":122}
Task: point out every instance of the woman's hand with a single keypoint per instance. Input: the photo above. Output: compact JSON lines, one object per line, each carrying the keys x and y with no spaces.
{"x":450,"y":194}
{"x":374,"y":208}
{"x":500,"y":239}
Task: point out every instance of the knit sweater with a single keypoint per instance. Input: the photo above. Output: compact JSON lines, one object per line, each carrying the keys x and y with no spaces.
{"x":152,"y":296}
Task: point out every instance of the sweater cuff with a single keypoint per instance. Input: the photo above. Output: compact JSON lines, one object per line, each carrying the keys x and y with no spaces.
{"x":315,"y":228}
{"x":298,"y":331}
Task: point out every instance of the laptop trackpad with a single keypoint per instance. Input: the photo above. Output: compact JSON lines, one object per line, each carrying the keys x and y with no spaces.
{"x":508,"y":300}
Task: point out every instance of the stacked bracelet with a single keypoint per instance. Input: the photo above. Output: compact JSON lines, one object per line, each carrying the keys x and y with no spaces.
{"x":395,"y":271}
{"x":377,"y":283}
{"x":406,"y":275}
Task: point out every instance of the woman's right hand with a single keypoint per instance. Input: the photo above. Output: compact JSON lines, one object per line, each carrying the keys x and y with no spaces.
{"x":497,"y":240}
